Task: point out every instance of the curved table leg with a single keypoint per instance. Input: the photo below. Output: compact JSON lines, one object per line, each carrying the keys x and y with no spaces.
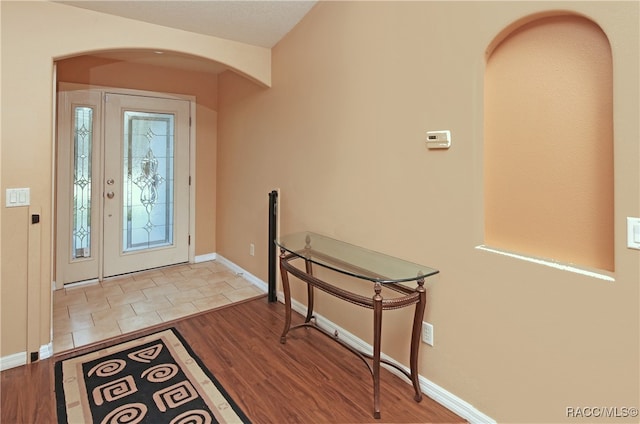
{"x":415,"y":339}
{"x":309,"y":270}
{"x":287,"y":301}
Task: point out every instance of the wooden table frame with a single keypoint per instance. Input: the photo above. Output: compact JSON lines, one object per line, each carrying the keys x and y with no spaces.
{"x":410,"y":296}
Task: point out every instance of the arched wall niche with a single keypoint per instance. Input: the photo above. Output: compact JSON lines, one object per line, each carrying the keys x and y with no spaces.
{"x":522,"y":23}
{"x":548,"y":141}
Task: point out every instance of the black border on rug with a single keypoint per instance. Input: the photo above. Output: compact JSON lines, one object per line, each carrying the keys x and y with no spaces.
{"x":61,"y":410}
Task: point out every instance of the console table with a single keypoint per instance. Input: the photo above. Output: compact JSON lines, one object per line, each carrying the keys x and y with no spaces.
{"x":372,"y":268}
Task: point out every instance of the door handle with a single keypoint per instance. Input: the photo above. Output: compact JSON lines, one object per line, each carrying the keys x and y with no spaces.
{"x":110,"y":195}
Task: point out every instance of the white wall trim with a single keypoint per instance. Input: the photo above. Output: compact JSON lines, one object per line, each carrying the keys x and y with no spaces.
{"x":452,"y":402}
{"x":193,"y":234}
{"x":46,"y":351}
{"x":13,"y":360}
{"x":205,"y":258}
{"x":602,"y":275}
{"x":242,"y":272}
{"x":20,"y":358}
{"x":429,"y":388}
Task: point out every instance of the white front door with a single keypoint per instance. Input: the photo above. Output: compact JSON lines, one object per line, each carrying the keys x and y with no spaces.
{"x":146,"y":177}
{"x":123,"y":186}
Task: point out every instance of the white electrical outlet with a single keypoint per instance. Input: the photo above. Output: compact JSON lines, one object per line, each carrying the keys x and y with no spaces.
{"x":427,"y":333}
{"x":252,"y":249}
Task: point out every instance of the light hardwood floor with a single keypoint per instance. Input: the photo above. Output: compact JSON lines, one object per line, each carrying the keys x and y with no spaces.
{"x":87,"y":314}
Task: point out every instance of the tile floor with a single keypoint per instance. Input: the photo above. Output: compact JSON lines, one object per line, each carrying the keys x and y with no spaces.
{"x":119,"y":305}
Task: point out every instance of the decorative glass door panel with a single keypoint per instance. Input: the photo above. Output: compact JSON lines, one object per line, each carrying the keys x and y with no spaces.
{"x":82,"y":176}
{"x":146,"y":217}
{"x":148,"y":180}
{"x":78,"y":186}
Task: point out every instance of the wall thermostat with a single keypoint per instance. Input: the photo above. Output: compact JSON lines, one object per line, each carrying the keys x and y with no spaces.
{"x":439,"y":139}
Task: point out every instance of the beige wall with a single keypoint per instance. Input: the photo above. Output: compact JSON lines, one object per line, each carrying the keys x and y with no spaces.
{"x":108,"y":73}
{"x":341,"y":133}
{"x":34,"y":35}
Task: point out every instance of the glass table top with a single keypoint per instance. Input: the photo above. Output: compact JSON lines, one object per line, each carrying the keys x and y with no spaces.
{"x":352,"y":260}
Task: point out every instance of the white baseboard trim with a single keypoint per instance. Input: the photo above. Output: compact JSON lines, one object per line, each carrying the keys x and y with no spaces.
{"x":20,"y":358}
{"x":429,"y":388}
{"x":453,"y":402}
{"x":93,"y":281}
{"x":242,"y":272}
{"x":46,"y":351}
{"x":205,"y":258}
{"x":13,"y":360}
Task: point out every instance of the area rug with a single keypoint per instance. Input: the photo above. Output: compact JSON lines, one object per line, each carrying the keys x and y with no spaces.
{"x":153,"y":379}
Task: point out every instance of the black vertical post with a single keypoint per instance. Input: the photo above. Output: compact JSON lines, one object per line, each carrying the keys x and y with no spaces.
{"x":273,"y":208}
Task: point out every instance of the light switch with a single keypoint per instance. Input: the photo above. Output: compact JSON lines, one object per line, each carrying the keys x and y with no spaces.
{"x":633,"y":233}
{"x":17,"y":197}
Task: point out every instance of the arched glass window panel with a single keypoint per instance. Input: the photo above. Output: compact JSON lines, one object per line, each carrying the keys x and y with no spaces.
{"x":548,"y":142}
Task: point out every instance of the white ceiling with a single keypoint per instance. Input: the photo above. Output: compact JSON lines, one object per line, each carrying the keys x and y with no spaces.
{"x":261,"y":23}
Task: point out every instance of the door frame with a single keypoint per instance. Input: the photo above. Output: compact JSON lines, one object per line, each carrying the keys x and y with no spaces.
{"x":66,"y":86}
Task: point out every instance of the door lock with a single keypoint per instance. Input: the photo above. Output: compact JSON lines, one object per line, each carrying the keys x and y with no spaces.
{"x":110,"y":181}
